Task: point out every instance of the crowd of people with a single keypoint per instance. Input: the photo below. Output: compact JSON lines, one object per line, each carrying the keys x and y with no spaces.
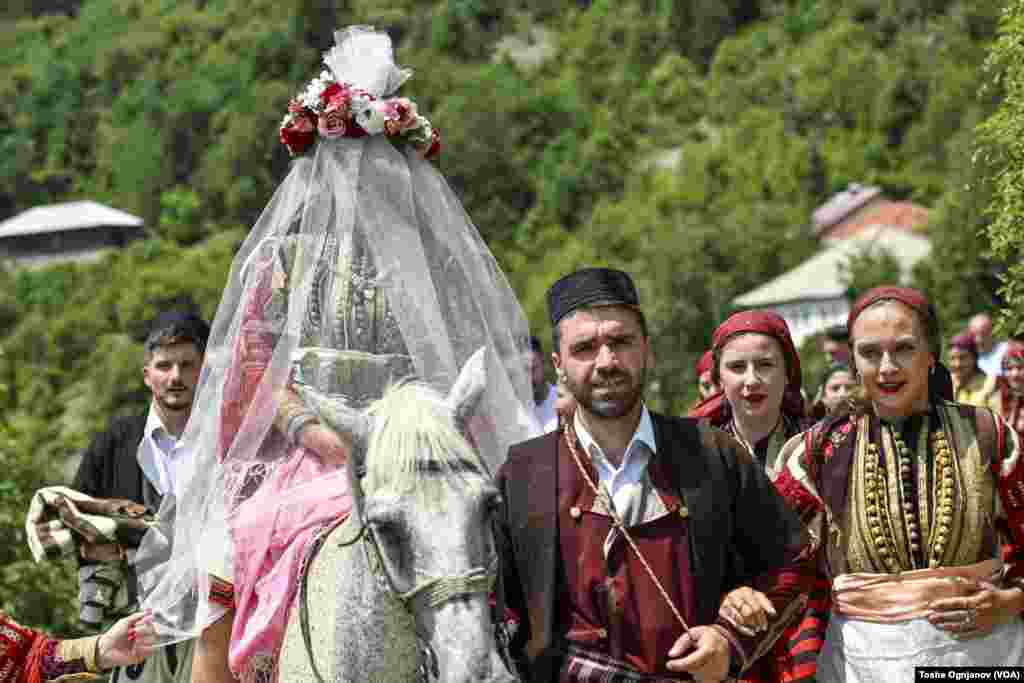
{"x":849,"y":531}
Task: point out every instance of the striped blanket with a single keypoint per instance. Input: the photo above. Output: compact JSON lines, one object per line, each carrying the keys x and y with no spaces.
{"x":61,"y":522}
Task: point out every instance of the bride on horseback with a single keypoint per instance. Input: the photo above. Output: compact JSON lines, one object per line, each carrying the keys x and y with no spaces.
{"x":362,"y":273}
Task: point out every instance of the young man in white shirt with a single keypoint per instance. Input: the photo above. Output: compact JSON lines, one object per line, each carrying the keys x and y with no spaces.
{"x":136,"y":457}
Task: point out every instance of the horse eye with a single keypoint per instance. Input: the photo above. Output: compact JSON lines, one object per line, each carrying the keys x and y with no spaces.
{"x":385,"y":524}
{"x":493,"y":504}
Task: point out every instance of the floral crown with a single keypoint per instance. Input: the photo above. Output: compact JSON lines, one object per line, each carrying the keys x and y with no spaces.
{"x":334,"y":108}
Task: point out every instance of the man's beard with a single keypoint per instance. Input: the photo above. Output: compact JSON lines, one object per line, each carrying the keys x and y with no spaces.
{"x":173,"y":403}
{"x":610,"y":408}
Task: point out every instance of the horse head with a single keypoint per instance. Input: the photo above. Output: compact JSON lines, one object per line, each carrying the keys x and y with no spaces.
{"x":425,"y":502}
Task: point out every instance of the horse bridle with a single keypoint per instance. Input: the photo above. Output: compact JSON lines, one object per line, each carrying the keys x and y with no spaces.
{"x":434,"y":591}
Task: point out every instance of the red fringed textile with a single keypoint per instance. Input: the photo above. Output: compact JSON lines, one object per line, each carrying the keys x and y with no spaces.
{"x":16,"y":642}
{"x":35,"y":659}
{"x":799,"y":499}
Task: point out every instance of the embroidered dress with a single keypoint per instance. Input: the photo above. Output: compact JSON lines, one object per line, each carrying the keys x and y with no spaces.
{"x":901,"y":514}
{"x":28,"y":656}
{"x":766,"y":451}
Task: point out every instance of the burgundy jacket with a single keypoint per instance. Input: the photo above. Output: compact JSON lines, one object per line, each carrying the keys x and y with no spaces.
{"x":734,"y":514}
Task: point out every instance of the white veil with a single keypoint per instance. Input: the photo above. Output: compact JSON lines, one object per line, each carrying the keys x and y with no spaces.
{"x":362,"y":270}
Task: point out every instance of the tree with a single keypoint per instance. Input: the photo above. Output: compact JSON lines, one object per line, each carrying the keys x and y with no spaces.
{"x":1003,"y":159}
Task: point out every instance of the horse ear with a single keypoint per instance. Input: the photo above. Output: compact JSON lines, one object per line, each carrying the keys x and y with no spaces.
{"x":339,"y":416}
{"x":469,"y":386}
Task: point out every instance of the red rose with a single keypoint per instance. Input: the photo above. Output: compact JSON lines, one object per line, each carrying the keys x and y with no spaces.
{"x":333,"y":124}
{"x":297,"y":141}
{"x":299,"y":133}
{"x":329,"y":92}
{"x":433,"y":148}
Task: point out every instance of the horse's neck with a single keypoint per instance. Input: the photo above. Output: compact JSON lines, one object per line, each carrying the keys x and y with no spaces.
{"x":358,"y":632}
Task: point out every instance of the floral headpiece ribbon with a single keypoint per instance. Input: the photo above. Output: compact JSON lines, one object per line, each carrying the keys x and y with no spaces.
{"x":331,"y":107}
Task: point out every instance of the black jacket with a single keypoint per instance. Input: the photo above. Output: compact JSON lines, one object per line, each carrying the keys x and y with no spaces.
{"x":733,"y":511}
{"x":110,"y":466}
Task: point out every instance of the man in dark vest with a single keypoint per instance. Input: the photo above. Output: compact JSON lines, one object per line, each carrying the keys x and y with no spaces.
{"x":623,"y":530}
{"x":136,"y":458}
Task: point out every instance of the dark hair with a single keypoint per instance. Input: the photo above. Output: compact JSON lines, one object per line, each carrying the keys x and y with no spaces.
{"x":535,"y":345}
{"x":832,"y":369}
{"x":837,"y":333}
{"x":175,"y":327}
{"x":556,"y":331}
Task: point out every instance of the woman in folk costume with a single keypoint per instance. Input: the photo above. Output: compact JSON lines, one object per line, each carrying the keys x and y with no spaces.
{"x":706,"y":386}
{"x":29,"y":656}
{"x":834,"y":391}
{"x":364,"y":270}
{"x":970,"y":384}
{"x":917,"y":509}
{"x":757,"y":367}
{"x":1009,"y":394}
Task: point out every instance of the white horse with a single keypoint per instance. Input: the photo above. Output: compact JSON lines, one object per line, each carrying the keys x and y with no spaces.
{"x":400,"y":590}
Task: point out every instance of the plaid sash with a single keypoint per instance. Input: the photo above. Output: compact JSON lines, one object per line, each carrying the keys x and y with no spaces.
{"x":585,"y":666}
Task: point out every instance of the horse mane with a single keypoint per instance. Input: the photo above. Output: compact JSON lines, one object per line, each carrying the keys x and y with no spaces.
{"x":416,"y":448}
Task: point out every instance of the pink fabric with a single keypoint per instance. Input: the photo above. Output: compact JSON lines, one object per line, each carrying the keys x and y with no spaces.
{"x":271,"y":531}
{"x":271,"y":538}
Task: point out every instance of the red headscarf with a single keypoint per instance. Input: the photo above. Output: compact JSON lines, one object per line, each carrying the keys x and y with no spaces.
{"x":1014,"y":352}
{"x":905,"y":295}
{"x":940,"y":384}
{"x":965,"y":341}
{"x":1010,"y":408}
{"x":758,"y":322}
{"x":704,"y":364}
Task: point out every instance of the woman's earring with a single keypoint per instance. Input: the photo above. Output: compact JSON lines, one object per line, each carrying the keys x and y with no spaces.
{"x":560,"y":375}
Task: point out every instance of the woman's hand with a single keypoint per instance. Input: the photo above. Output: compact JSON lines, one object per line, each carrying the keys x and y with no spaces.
{"x":748,"y":610}
{"x":129,"y":641}
{"x":978,"y":613}
{"x":325,"y":442}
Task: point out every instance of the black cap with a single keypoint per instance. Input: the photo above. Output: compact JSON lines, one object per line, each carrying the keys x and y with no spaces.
{"x":590,"y":287}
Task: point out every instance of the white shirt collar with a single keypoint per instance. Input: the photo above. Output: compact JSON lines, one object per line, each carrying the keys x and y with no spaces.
{"x":154,"y":422}
{"x":644,"y":433}
{"x":624,"y":483}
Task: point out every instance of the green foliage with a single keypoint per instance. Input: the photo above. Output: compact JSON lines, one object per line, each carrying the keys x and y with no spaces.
{"x":869,"y":269}
{"x":687,"y":142}
{"x":1001,"y":152}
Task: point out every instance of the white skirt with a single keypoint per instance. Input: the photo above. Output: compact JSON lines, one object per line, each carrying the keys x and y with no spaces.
{"x":858,"y":651}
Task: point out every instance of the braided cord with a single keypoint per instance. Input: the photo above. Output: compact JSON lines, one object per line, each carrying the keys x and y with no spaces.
{"x":602,"y":495}
{"x":442,"y":589}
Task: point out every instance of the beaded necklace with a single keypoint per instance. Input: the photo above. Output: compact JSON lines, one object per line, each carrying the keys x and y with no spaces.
{"x":914,"y":520}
